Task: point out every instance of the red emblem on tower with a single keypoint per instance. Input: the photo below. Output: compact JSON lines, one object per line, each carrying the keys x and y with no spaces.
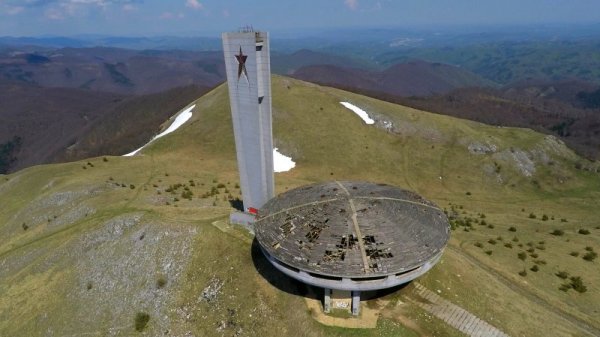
{"x":241,"y":59}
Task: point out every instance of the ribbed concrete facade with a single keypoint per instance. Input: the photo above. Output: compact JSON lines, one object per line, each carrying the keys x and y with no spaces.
{"x":248,"y":68}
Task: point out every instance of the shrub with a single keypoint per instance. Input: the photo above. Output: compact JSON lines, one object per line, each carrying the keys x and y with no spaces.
{"x":565,"y":286}
{"x":141,"y":320}
{"x":534,"y":255}
{"x":490,"y":226}
{"x":512,"y":229}
{"x":557,"y":232}
{"x":488,"y":252}
{"x":220,"y":185}
{"x":576,"y":254}
{"x":532,"y":216}
{"x":540,"y":262}
{"x":187,"y":194}
{"x":563,"y":220}
{"x":577,"y":284}
{"x":89,"y":286}
{"x":544,"y":217}
{"x":515,"y":239}
{"x":468,"y":193}
{"x":531,"y":250}
{"x":523,"y":273}
{"x":562,"y":274}
{"x":522,"y":256}
{"x":25,"y":227}
{"x":590,"y":256}
{"x":105,"y":159}
{"x":508,"y":245}
{"x":492,"y":241}
{"x":161,"y":282}
{"x":132,"y":186}
{"x":478,"y":244}
{"x":589,"y":248}
{"x":583,"y":231}
{"x":535,"y":268}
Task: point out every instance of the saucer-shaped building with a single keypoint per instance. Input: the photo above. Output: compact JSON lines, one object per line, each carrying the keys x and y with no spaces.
{"x":351,"y":236}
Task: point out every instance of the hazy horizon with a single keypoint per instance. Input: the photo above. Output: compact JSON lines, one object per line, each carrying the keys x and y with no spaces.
{"x":205,"y":18}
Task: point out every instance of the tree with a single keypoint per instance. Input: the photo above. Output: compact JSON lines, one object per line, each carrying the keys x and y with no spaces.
{"x":7,"y":153}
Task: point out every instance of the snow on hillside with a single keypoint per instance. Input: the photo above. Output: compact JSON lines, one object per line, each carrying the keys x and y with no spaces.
{"x":360,"y":112}
{"x":183,"y":117}
{"x":282,"y":163}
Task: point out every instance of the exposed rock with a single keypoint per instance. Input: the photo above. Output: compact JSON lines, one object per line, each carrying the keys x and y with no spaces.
{"x":212,"y":291}
{"x":480,"y":148}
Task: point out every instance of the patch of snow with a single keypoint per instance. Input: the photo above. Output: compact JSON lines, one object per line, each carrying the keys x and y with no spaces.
{"x":282,"y":163}
{"x":360,"y":112}
{"x":183,"y":117}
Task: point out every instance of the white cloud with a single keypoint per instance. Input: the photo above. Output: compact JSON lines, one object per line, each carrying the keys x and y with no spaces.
{"x":129,"y":7}
{"x":53,"y":14}
{"x":14,"y":10}
{"x":195,"y":4}
{"x":352,"y":4}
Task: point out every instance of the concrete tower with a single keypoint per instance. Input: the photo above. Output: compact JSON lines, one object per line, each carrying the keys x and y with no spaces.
{"x":248,"y":68}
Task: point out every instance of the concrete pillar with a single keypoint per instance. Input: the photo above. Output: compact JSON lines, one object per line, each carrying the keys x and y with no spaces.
{"x":355,"y":303}
{"x":327,"y":301}
{"x":247,"y":63}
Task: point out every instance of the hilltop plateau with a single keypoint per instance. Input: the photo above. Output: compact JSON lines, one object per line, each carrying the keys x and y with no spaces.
{"x":122,"y":246}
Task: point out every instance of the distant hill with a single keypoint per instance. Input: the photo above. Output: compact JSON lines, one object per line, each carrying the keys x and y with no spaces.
{"x":130,"y":124}
{"x":286,"y":64}
{"x":47,"y":120}
{"x":416,"y":78}
{"x":512,"y":60}
{"x":58,"y":124}
{"x":114,"y":70}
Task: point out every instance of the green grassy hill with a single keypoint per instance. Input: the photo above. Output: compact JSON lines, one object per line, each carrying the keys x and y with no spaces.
{"x":111,"y":245}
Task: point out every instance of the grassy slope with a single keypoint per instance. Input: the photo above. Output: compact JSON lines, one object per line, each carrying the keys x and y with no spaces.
{"x":94,"y":252}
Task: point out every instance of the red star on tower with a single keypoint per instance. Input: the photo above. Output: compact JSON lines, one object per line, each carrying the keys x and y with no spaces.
{"x":241,"y":58}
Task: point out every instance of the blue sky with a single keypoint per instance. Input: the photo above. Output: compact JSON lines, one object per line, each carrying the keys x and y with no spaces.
{"x":206,"y":17}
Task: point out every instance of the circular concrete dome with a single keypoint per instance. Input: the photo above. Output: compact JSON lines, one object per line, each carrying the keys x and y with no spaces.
{"x":352,"y":235}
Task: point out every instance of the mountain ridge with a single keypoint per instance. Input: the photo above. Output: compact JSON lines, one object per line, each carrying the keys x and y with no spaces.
{"x":90,"y":245}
